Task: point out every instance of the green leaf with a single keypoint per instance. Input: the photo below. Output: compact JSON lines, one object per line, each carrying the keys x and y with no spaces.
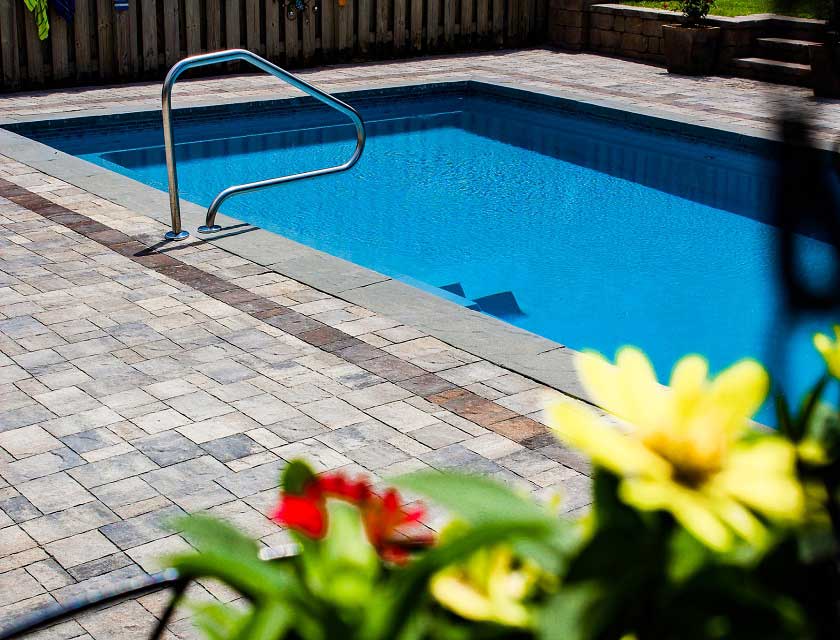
{"x":783,"y":417}
{"x":296,"y":476}
{"x":210,"y":534}
{"x":269,"y":621}
{"x":687,"y":556}
{"x":811,"y":402}
{"x":343,"y":567}
{"x":476,"y":499}
{"x":251,"y":577}
{"x":219,"y":621}
{"x":568,"y":614}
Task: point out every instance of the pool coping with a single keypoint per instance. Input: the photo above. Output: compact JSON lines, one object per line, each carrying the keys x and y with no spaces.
{"x":541,"y":359}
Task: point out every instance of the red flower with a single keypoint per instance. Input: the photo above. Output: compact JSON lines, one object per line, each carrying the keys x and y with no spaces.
{"x":337,"y":486}
{"x":382,"y":516}
{"x":305,"y":513}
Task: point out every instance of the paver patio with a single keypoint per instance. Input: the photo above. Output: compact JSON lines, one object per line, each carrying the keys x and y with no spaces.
{"x":139,"y":382}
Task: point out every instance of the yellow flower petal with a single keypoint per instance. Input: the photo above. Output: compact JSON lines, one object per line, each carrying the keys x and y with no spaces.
{"x":830,"y":350}
{"x":761,"y":474}
{"x":688,"y":381}
{"x":607,"y":447}
{"x":690,"y":509}
{"x":600,"y":378}
{"x":642,"y":397}
{"x":812,"y":452}
{"x":737,"y":393}
{"x":740,"y":520}
{"x":460,"y":597}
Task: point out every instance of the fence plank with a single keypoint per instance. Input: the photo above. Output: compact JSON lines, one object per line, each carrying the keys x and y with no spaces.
{"x":148,"y":26}
{"x":482,"y":18}
{"x":134,"y":38}
{"x":512,"y":29}
{"x":309,"y":18}
{"x":122,"y":43}
{"x":364,"y":26}
{"x":213,"y":15}
{"x":83,"y":38}
{"x":171,"y":31}
{"x":416,"y":25}
{"x":466,"y":20}
{"x":105,"y":38}
{"x":382,"y":7}
{"x":399,"y":24}
{"x":329,"y":27}
{"x":432,"y":23}
{"x":233,"y":29}
{"x":192,"y":26}
{"x":499,"y":21}
{"x":273,"y":15}
{"x":252,"y":25}
{"x":34,"y":50}
{"x":290,"y":30}
{"x":526,"y":17}
{"x":450,"y":8}
{"x":60,"y":46}
{"x":345,"y":28}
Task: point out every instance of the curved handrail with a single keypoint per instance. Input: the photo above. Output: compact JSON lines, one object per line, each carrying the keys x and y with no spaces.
{"x":177,"y":233}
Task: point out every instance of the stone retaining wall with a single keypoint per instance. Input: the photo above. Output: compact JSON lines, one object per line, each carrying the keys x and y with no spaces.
{"x":636,"y":32}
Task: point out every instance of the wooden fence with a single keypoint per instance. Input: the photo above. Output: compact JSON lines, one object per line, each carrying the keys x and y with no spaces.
{"x":103,"y":44}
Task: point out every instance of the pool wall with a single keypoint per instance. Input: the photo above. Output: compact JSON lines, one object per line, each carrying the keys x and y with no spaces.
{"x":544,"y":360}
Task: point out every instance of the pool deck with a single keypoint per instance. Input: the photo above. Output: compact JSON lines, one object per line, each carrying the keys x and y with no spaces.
{"x":141,"y":381}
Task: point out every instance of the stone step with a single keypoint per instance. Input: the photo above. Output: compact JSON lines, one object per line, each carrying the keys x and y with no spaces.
{"x":773,"y":70}
{"x":785,"y":49}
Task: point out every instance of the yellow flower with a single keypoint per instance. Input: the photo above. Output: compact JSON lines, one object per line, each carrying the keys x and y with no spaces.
{"x":685,"y":451}
{"x":487,"y":587}
{"x":830,"y":350}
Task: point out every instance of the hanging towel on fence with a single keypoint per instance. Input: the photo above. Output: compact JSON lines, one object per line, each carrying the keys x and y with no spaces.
{"x":39,"y":8}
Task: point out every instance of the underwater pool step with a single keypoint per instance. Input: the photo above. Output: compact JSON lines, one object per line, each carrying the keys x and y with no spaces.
{"x":773,"y":70}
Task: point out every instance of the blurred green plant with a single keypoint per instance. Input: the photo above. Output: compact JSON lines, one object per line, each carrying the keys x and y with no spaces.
{"x":702,"y":527}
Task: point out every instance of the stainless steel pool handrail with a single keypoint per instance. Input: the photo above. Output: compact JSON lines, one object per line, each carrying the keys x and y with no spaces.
{"x":210,"y":226}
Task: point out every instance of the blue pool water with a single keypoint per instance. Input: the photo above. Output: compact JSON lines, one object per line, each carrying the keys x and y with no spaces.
{"x":603,"y":234}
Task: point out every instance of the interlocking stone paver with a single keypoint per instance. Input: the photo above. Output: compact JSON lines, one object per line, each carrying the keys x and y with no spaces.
{"x":199,"y":406}
{"x":67,"y":401}
{"x":91,"y":440}
{"x":265,"y":409}
{"x":112,"y":469}
{"x":123,"y":492}
{"x":218,"y":427}
{"x":63,"y":524}
{"x":167,"y":448}
{"x":55,"y":493}
{"x":80,"y":548}
{"x":49,"y":574}
{"x":40,"y":465}
{"x":99,"y":566}
{"x":403,"y":416}
{"x":17,"y":585}
{"x":233,"y":447}
{"x":142,"y":529}
{"x":27,"y":441}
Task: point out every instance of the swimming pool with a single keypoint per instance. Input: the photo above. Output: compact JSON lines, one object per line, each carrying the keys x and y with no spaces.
{"x":577,"y":227}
